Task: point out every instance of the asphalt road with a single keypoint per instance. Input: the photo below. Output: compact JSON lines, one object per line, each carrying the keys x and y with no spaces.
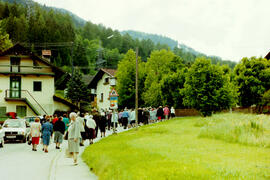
{"x":19,"y":162}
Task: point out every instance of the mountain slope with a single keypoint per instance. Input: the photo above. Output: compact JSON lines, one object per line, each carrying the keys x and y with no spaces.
{"x":154,"y":37}
{"x":77,"y":20}
{"x":162,"y":40}
{"x":62,"y":28}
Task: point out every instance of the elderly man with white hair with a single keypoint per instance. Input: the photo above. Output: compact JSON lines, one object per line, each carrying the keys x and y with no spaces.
{"x":74,"y":135}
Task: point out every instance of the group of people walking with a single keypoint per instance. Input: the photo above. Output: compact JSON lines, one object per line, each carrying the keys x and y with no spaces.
{"x":126,"y":117}
{"x":76,"y":129}
{"x":44,"y":129}
{"x":80,"y":127}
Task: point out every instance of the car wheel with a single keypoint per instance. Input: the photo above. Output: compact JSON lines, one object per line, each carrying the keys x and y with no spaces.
{"x":2,"y":144}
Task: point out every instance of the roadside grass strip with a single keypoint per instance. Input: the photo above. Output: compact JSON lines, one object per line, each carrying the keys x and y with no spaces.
{"x":247,"y":129}
{"x":185,"y":148}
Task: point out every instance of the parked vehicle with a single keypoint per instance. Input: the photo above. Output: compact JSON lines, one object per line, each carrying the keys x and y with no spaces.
{"x":16,"y":129}
{"x":2,"y":134}
{"x":31,"y":119}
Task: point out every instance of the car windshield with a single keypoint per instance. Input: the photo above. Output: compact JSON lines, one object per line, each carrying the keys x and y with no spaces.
{"x":13,"y":124}
{"x":30,"y":119}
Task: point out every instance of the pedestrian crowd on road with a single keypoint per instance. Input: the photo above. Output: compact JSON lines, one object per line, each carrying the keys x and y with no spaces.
{"x":78,"y":127}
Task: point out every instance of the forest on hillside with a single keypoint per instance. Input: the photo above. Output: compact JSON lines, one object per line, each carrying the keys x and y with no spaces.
{"x":93,"y":46}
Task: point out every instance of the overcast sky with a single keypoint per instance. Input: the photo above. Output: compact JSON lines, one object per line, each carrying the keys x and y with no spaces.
{"x":231,"y":29}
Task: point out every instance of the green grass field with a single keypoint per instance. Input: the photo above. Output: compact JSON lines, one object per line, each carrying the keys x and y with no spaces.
{"x":186,"y":148}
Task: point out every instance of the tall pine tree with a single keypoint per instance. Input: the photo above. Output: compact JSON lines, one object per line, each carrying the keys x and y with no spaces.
{"x":77,"y":91}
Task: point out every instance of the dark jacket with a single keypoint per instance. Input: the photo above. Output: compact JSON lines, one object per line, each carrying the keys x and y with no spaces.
{"x":59,"y":126}
{"x":160,"y":112}
{"x":140,"y":115}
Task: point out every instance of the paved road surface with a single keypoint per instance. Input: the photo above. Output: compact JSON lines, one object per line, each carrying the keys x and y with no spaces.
{"x":19,"y":162}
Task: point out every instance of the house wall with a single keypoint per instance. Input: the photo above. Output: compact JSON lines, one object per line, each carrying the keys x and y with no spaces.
{"x":4,"y":60}
{"x":43,"y":97}
{"x":10,"y":105}
{"x":105,"y":89}
{"x":25,"y":61}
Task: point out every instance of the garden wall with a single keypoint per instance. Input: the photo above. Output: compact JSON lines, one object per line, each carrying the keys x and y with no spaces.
{"x":193,"y":112}
{"x":186,"y":112}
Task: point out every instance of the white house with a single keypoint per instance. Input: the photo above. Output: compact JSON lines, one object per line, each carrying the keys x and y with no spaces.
{"x":27,"y":84}
{"x":101,"y":86}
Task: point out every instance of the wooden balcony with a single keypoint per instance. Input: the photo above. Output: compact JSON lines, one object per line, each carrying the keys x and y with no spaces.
{"x":26,"y":70}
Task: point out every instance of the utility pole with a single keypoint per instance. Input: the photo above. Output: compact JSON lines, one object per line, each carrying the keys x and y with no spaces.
{"x":136,"y":99}
{"x":72,"y":73}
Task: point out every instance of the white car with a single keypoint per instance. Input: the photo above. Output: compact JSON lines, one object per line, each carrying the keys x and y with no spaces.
{"x":31,"y":119}
{"x":2,"y":134}
{"x":16,"y":129}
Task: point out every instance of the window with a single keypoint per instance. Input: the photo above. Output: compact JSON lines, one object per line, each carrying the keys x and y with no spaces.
{"x":37,"y":86}
{"x":21,"y":111}
{"x":15,"y":87}
{"x":15,"y":64}
{"x":3,"y":111}
{"x":106,"y":81}
{"x":101,"y":97}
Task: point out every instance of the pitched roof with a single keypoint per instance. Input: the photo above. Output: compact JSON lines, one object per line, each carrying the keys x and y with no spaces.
{"x":99,"y":74}
{"x":66,"y":102}
{"x":110,"y":72}
{"x":18,"y":49}
{"x":87,"y":79}
{"x":267,"y":56}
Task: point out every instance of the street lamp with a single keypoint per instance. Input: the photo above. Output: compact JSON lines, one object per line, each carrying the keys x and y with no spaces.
{"x":101,"y":61}
{"x":109,"y":37}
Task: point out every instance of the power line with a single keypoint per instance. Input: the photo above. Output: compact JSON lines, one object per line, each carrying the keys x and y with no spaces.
{"x":46,"y":44}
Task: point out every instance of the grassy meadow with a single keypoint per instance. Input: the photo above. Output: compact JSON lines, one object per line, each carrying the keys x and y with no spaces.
{"x":224,"y":146}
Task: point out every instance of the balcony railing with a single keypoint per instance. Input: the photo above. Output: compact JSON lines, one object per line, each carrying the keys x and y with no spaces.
{"x":20,"y":69}
{"x":26,"y":96}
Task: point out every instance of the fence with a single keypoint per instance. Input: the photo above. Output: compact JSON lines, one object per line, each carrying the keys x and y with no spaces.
{"x":186,"y":112}
{"x":253,"y":109}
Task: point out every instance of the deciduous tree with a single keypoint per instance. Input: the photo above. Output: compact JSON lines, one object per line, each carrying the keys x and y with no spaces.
{"x":5,"y":43}
{"x":252,"y":76}
{"x":126,"y":80}
{"x":207,"y":88}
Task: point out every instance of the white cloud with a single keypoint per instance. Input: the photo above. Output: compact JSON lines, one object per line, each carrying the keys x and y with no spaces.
{"x":231,"y":29}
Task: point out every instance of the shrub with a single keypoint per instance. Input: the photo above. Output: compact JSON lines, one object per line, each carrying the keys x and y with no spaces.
{"x":237,"y":128}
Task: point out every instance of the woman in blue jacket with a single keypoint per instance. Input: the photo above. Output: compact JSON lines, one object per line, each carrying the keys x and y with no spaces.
{"x":47,"y":130}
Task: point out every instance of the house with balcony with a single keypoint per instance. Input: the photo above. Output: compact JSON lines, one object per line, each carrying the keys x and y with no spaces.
{"x":101,"y":86}
{"x":28,"y":84}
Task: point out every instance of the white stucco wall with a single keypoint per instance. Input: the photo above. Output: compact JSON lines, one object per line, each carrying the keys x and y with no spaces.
{"x":105,"y":89}
{"x":44,"y":97}
{"x":25,"y":61}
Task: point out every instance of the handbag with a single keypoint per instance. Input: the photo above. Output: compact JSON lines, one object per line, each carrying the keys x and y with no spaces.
{"x":29,"y":141}
{"x":66,"y":135}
